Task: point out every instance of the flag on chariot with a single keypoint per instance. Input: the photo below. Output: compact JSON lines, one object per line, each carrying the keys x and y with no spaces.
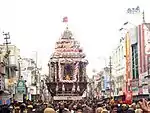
{"x":65,"y":19}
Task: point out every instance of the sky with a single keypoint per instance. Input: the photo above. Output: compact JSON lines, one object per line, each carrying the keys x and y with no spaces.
{"x":35,"y":25}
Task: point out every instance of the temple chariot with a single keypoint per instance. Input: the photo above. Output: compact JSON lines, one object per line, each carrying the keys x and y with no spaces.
{"x":67,"y":69}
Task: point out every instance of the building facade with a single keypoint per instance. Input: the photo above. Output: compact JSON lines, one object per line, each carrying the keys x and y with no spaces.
{"x":130,"y":61}
{"x":31,"y":74}
{"x":119,"y":66}
{"x":9,"y":70}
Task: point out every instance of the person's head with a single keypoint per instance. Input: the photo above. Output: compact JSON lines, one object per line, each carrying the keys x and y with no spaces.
{"x":70,"y":107}
{"x":22,"y":106}
{"x":99,"y":110}
{"x":104,"y":111}
{"x":30,"y":107}
{"x":61,"y":106}
{"x":49,"y":110}
{"x":84,"y":106}
{"x":17,"y":108}
{"x":133,"y":105}
{"x":138,"y":111}
{"x":124,"y":106}
{"x":114,"y":109}
{"x":79,"y":111}
{"x":99,"y":104}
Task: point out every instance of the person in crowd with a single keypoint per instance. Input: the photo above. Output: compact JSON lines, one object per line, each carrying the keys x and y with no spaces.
{"x":104,"y":111}
{"x":17,"y":109}
{"x":71,"y":109}
{"x":99,"y":107}
{"x":29,"y":108}
{"x":11,"y":108}
{"x":114,"y":109}
{"x":74,"y":108}
{"x":133,"y":105}
{"x":138,"y":109}
{"x":49,"y":110}
{"x":144,"y":106}
{"x":79,"y":111}
{"x":131,"y":109}
{"x":86,"y":109}
{"x":62,"y":109}
{"x":23,"y":108}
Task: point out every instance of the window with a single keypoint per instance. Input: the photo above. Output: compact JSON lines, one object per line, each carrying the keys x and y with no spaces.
{"x":135,"y":74}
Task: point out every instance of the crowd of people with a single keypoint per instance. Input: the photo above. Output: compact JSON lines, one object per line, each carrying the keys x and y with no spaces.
{"x":83,"y":106}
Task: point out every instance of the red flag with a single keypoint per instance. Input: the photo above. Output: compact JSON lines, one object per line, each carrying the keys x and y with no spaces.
{"x":65,"y":19}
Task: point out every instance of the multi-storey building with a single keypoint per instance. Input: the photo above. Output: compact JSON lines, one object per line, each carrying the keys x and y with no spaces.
{"x":31,"y":75}
{"x":118,"y":66}
{"x":131,"y":63}
{"x":9,"y":70}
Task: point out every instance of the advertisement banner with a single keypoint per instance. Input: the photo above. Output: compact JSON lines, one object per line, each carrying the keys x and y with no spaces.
{"x":21,"y":88}
{"x":128,"y":97}
{"x":19,"y":97}
{"x":141,"y":50}
{"x":128,"y":57}
{"x":147,"y":39}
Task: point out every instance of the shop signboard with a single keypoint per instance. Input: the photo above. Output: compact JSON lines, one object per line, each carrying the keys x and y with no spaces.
{"x":21,"y":88}
{"x":19,"y":97}
{"x":135,"y":86}
{"x":4,"y":99}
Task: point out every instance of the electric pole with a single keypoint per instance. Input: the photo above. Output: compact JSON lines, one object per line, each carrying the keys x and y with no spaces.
{"x":110,"y":68}
{"x":6,"y":38}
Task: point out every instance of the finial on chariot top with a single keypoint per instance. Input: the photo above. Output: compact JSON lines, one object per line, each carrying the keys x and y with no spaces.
{"x":66,"y":34}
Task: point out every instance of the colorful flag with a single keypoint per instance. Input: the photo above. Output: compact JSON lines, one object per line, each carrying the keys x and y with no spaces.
{"x":65,"y":19}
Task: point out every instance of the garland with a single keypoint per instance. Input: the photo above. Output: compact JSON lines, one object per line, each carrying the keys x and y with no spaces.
{"x":74,"y":75}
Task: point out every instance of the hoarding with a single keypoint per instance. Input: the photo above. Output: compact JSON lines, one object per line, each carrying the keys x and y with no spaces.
{"x":128,"y":56}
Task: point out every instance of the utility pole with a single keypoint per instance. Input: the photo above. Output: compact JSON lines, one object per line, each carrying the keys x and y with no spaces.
{"x":19,"y":64}
{"x":110,"y":68}
{"x":36,"y":74}
{"x":7,"y":36}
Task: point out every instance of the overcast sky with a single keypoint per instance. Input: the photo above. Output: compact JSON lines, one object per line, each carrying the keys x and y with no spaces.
{"x":35,"y":25}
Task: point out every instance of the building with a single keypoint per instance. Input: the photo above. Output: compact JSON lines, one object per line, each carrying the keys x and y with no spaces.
{"x":138,"y":58}
{"x":130,"y":61}
{"x":9,"y":68}
{"x":2,"y":78}
{"x":31,"y":74}
{"x":143,"y":56}
{"x":118,"y":66}
{"x":12,"y":71}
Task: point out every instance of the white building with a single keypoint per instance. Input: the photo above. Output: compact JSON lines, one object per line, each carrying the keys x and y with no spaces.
{"x":118,"y":66}
{"x":31,"y":75}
